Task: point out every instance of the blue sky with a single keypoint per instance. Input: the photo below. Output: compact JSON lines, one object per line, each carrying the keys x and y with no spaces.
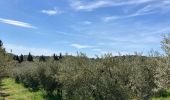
{"x":90,"y":26}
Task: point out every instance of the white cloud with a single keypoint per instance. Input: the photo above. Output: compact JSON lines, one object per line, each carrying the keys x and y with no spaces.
{"x":110,"y":18}
{"x":16,"y":23}
{"x":89,"y":6}
{"x":166,"y":2}
{"x":18,"y":49}
{"x":51,"y":12}
{"x":79,"y":46}
{"x":144,"y":11}
{"x":156,"y":7}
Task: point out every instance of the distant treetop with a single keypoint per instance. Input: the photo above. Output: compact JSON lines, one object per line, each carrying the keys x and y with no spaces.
{"x":30,"y":57}
{"x":1,"y":44}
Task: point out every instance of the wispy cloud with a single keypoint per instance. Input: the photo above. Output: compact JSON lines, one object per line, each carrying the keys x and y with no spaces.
{"x":51,"y":12}
{"x":89,"y":6}
{"x":78,"y":5}
{"x":155,"y":7}
{"x":144,"y":11}
{"x":79,"y":46}
{"x":109,"y":18}
{"x":16,"y":23}
{"x":166,"y":2}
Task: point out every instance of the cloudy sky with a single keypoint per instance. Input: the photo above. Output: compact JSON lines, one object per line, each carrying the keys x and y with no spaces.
{"x":90,"y":26}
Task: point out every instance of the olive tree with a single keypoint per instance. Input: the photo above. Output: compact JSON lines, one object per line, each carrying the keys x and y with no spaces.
{"x":165,"y":44}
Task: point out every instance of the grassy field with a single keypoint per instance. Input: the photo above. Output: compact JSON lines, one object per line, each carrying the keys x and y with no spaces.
{"x":9,"y":90}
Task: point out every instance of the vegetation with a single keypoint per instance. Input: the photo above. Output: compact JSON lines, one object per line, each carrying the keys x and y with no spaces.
{"x":162,"y":95}
{"x":29,"y":58}
{"x":4,"y":58}
{"x":13,"y":91}
{"x":123,"y":77}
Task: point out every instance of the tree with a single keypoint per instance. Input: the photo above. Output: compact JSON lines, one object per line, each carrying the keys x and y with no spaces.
{"x":16,"y":57}
{"x":60,"y":57}
{"x":164,"y":70}
{"x":55,"y":57}
{"x":21,"y":58}
{"x":165,"y":44}
{"x":30,"y":58}
{"x":1,"y":44}
{"x":42,"y":58}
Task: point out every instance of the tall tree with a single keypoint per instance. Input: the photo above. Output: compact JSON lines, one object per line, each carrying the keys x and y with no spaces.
{"x":30,"y":57}
{"x":60,"y":57}
{"x":1,"y":44}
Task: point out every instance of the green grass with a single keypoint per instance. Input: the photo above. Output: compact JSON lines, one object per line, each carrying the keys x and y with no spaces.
{"x":13,"y":91}
{"x":167,"y":97}
{"x":161,"y":98}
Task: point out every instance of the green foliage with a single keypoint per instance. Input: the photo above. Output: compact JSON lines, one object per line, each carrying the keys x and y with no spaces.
{"x":37,"y":76}
{"x":107,"y":78}
{"x":4,"y":58}
{"x":14,"y":91}
{"x":162,"y":95}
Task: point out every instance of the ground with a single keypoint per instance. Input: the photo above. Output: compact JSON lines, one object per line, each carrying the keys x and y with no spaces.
{"x":9,"y":90}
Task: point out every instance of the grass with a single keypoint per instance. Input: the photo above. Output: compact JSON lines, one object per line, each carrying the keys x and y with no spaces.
{"x":13,"y":91}
{"x":161,"y":98}
{"x":165,"y":97}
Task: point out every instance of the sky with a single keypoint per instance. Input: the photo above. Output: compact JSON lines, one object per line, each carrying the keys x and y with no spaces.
{"x":94,"y":27}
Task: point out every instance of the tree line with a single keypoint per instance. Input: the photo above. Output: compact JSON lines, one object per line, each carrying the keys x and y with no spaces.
{"x":30,"y":58}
